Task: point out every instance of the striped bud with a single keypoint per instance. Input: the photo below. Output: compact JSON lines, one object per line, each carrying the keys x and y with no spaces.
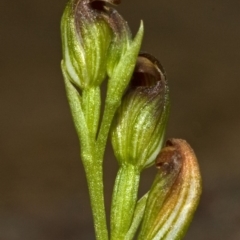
{"x":89,"y":29}
{"x":140,"y":121}
{"x":174,"y":195}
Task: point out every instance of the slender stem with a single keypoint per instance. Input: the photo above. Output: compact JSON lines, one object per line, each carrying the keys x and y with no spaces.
{"x":91,"y":102}
{"x":91,"y":105}
{"x":95,"y":185}
{"x":124,"y":201}
{"x":86,"y":112}
{"x":137,"y":218}
{"x":109,"y":111}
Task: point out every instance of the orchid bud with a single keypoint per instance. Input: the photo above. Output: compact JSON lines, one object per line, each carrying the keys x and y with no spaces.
{"x":138,"y":129}
{"x":174,"y":195}
{"x":89,"y":27}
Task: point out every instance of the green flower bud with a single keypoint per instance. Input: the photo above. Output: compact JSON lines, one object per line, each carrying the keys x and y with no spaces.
{"x":138,"y":129}
{"x":89,"y":27}
{"x":174,"y":195}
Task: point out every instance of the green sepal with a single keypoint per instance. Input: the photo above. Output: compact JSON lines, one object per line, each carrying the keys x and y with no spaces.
{"x":120,"y":74}
{"x":88,"y":28}
{"x":75,"y":103}
{"x":73,"y":50}
{"x":117,"y":83}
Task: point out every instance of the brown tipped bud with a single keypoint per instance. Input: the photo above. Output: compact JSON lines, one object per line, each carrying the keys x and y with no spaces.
{"x":89,"y":29}
{"x":169,"y":160}
{"x":174,"y":195}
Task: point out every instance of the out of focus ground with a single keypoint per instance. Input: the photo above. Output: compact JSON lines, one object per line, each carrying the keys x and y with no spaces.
{"x":43,"y":194}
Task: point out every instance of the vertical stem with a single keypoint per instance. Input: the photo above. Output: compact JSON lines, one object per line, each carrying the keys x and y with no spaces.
{"x":138,"y":216}
{"x":91,"y":102}
{"x":108,"y":115}
{"x":94,"y":176}
{"x":124,"y":201}
{"x":86,"y":122}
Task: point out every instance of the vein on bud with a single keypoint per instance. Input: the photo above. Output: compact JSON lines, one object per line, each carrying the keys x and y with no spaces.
{"x":138,"y":130}
{"x":174,"y":195}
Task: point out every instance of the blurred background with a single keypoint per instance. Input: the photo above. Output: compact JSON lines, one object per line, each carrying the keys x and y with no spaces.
{"x":43,"y":193}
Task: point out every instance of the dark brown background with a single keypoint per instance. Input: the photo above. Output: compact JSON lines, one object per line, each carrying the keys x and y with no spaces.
{"x":43,"y":194}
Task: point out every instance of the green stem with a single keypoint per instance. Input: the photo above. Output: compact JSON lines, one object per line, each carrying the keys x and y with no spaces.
{"x":94,"y":176}
{"x":85,"y":111}
{"x":91,"y":105}
{"x":91,"y":102}
{"x":109,"y":111}
{"x":124,"y":201}
{"x":138,"y":216}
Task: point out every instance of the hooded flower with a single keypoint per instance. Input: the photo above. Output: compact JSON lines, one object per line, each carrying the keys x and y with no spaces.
{"x":174,"y":195}
{"x":94,"y":35}
{"x":140,"y":121}
{"x":97,"y":45}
